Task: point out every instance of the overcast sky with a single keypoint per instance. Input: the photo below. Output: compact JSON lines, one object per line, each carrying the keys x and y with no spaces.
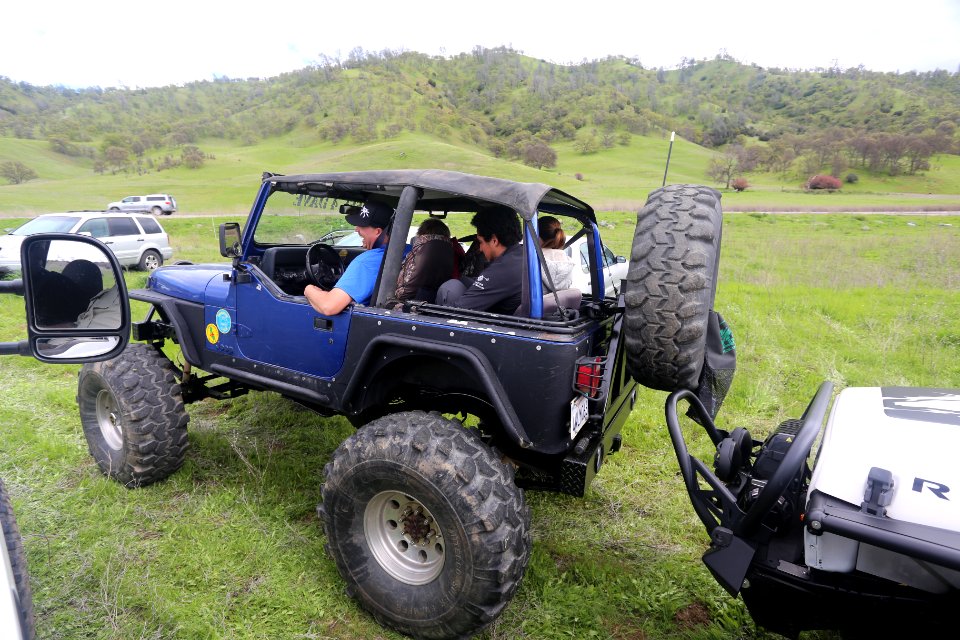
{"x":140,"y":44}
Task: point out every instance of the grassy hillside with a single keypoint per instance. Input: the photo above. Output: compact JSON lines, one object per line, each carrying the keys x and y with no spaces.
{"x":488,"y":112}
{"x":617,"y":179}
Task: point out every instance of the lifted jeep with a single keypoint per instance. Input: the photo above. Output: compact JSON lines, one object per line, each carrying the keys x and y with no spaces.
{"x":424,"y":517}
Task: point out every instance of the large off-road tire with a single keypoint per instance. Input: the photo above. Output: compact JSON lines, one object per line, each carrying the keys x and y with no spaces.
{"x":671,"y":284}
{"x":18,"y":566}
{"x":133,"y":416}
{"x":426,"y":525}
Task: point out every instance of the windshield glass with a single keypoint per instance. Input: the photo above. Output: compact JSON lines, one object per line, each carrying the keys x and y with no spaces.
{"x":46,"y":224}
{"x":298,"y":219}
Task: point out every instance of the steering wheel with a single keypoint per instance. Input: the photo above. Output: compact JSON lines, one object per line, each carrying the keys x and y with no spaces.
{"x":324,"y":266}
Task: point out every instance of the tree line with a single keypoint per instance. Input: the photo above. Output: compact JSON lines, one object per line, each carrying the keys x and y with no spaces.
{"x":835,"y":150}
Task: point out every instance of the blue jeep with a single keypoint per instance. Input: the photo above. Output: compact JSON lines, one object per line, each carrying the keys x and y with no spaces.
{"x":425,"y":517}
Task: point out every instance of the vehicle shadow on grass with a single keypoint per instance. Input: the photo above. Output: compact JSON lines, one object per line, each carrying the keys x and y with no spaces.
{"x":270,"y":447}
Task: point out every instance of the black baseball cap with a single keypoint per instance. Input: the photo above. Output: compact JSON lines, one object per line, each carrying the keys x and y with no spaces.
{"x":370,"y":214}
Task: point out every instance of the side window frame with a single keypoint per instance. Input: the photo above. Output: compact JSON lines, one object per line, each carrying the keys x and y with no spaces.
{"x":91,"y":226}
{"x":149,"y":226}
{"x":117,"y":224}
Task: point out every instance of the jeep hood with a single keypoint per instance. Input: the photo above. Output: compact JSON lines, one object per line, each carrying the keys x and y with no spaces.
{"x":911,"y":432}
{"x":186,"y":282}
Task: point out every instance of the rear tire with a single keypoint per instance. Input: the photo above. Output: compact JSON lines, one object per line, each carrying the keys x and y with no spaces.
{"x":18,"y":565}
{"x":150,"y":260}
{"x":133,"y":416}
{"x":156,"y":211}
{"x":671,"y":284}
{"x":426,"y":525}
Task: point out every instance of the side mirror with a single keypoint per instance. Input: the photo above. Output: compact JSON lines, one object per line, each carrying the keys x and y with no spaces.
{"x":621,"y":259}
{"x":230,"y":246}
{"x":76,"y":300}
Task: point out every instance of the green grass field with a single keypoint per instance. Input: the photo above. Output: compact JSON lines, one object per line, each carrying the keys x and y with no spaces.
{"x":230,"y":546}
{"x":616,"y":179}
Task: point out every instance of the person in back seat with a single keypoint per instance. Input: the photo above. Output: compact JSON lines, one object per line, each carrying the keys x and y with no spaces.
{"x":558,"y":264}
{"x":430,"y":263}
{"x":498,"y":287}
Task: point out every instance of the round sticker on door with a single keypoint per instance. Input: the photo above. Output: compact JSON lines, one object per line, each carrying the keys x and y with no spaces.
{"x":224,"y":322}
{"x":213,"y":334}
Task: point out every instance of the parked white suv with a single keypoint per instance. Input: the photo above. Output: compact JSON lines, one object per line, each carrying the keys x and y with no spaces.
{"x":155,"y":203}
{"x":614,"y":268}
{"x":137,"y":241}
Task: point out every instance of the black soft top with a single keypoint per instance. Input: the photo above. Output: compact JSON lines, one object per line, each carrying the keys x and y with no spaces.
{"x":440,"y":191}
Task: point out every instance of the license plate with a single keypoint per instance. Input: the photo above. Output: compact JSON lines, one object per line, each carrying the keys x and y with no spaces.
{"x":579,"y":413}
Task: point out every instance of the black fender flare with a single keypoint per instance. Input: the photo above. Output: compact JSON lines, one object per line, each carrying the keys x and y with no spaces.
{"x":169,"y":307}
{"x":472,"y":358}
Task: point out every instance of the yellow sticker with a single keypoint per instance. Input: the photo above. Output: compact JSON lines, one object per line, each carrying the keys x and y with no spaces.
{"x":213,"y":334}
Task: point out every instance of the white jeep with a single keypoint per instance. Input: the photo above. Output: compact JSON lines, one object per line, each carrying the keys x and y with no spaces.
{"x":867,"y":543}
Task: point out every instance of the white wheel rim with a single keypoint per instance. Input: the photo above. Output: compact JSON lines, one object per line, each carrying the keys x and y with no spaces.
{"x":404,"y":537}
{"x":108,"y":418}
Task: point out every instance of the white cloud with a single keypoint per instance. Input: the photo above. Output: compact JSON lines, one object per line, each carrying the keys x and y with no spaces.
{"x":115,"y":43}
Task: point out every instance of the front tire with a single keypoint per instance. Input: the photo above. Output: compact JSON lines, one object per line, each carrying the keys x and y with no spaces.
{"x":426,"y":525}
{"x":671,"y":284}
{"x":150,"y":260}
{"x":133,"y":416}
{"x":18,"y":566}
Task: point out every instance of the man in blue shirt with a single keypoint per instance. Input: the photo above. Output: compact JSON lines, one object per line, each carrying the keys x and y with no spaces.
{"x":358,"y":280}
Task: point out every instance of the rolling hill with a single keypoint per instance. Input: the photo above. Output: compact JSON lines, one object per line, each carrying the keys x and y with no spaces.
{"x":606,"y":122}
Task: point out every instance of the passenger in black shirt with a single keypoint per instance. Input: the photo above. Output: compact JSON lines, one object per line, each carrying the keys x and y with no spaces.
{"x":497,"y":288}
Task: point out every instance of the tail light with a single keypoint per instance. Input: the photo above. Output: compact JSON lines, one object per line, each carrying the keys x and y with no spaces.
{"x":588,"y":378}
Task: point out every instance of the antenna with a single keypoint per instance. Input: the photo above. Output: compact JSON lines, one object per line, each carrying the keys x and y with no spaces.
{"x":669,"y":151}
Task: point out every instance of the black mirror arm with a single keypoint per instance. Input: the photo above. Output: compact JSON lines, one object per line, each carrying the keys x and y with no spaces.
{"x":21,"y":348}
{"x":11,"y":286}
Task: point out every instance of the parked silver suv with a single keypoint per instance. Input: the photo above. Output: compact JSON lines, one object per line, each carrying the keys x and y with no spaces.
{"x":155,"y":203}
{"x":137,"y":241}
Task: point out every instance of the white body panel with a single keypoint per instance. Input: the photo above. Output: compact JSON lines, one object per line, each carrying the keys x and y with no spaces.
{"x":910,"y":436}
{"x":914,"y":434}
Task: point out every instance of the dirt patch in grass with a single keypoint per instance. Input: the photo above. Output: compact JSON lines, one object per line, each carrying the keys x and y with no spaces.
{"x":692,"y":616}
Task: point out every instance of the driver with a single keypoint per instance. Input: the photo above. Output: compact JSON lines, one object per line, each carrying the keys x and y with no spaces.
{"x":358,"y":280}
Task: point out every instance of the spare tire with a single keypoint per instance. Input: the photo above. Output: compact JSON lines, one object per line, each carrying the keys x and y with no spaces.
{"x":671,"y":283}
